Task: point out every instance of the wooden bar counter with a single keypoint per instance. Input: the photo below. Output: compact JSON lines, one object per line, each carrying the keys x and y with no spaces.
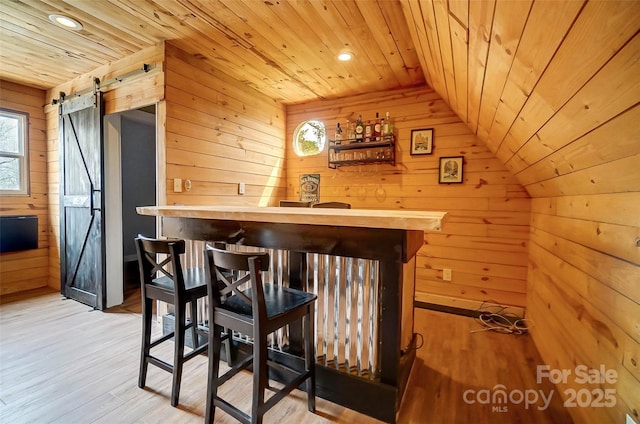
{"x":390,"y":237}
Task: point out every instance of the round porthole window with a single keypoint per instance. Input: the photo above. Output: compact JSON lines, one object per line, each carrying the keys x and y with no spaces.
{"x":309,"y":138}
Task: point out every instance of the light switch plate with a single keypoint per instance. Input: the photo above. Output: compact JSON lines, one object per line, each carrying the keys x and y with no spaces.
{"x":241,"y":188}
{"x":446,"y":274}
{"x":177,"y":185}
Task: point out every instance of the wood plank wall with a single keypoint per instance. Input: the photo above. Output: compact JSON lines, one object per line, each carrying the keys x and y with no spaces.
{"x":29,"y":269}
{"x":220,"y":132}
{"x":584,"y":279}
{"x":217,"y":132}
{"x":132,"y":93}
{"x":558,"y":105}
{"x":584,"y":294}
{"x":485,"y":236}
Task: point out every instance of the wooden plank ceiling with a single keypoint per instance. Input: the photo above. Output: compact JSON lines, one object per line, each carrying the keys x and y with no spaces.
{"x":285,"y":49}
{"x":530,"y":78}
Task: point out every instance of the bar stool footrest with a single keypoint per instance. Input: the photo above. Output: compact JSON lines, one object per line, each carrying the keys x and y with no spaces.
{"x":235,"y":370}
{"x":160,"y":364}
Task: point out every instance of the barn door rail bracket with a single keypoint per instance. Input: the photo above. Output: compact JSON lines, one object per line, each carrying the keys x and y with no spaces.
{"x":102,"y":86}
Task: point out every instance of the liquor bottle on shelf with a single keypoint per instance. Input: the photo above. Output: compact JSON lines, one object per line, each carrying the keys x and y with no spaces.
{"x":359,"y":130}
{"x":347,"y":131}
{"x":388,"y":126}
{"x":377,"y":128}
{"x":368,"y":131}
{"x":338,"y":137}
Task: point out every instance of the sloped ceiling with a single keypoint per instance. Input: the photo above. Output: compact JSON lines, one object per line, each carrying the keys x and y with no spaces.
{"x":551,"y":87}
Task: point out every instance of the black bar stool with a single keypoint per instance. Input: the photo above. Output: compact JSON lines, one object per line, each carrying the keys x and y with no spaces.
{"x":239,"y":301}
{"x":177,"y":287}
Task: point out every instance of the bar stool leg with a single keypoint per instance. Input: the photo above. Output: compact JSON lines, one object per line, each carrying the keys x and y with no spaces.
{"x":215,"y":344}
{"x":147,"y":315}
{"x":227,"y":345}
{"x":178,"y":356}
{"x":194,"y":324}
{"x":310,"y":358}
{"x":260,"y":378}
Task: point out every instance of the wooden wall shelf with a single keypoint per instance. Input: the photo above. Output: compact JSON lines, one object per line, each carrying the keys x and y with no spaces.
{"x":352,"y":152}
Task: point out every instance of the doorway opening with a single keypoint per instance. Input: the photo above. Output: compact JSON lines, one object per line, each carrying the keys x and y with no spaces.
{"x":130,"y":168}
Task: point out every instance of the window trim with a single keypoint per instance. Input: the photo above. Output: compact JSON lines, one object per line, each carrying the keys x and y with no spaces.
{"x":23,"y":158}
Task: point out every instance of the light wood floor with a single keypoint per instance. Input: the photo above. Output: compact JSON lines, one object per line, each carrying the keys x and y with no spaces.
{"x":61,"y":362}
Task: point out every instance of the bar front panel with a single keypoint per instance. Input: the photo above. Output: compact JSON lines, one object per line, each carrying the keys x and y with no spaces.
{"x":358,"y":275}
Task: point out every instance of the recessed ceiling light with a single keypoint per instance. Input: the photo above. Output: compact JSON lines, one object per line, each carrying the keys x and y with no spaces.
{"x":345,"y":56}
{"x":66,"y":22}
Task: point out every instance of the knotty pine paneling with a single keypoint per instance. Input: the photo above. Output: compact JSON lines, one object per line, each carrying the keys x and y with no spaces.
{"x":486,"y":232}
{"x":585,"y":260}
{"x":585,"y":230}
{"x":583,"y":292}
{"x":28,"y":269}
{"x":141,"y":90}
{"x":565,"y":123}
{"x":220,"y":133}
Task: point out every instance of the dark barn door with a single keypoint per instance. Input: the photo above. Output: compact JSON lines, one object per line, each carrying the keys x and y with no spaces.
{"x":82,"y":246}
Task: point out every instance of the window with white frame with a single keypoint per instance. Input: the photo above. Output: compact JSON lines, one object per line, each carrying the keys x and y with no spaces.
{"x":14,"y":153}
{"x":309,"y":138}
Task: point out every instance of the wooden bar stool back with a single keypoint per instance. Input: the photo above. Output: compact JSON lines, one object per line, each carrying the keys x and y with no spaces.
{"x":168,"y":282}
{"x":294,"y":204}
{"x":334,"y":205}
{"x":238,"y":300}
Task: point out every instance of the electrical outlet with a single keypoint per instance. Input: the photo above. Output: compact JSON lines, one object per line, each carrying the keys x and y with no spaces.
{"x":241,"y":188}
{"x":177,"y":185}
{"x":446,"y":274}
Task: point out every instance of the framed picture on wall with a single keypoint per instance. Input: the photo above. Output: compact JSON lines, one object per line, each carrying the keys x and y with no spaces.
{"x":422,"y":141}
{"x":450,"y":171}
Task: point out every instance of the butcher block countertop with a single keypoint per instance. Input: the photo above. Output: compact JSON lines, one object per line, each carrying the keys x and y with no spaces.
{"x":365,"y":218}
